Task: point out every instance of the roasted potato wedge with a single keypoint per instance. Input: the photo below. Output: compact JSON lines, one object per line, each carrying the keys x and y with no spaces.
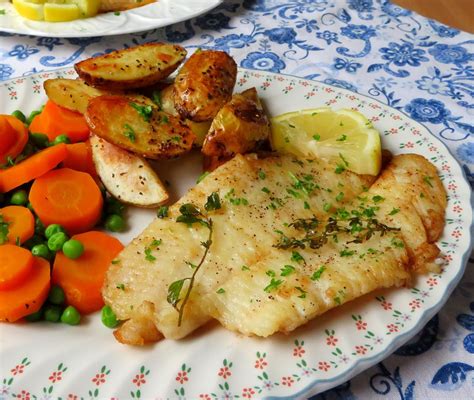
{"x":131,"y":68}
{"x":204,"y":84}
{"x":200,"y":129}
{"x":127,"y":177}
{"x":239,"y":127}
{"x":74,"y":94}
{"x":137,"y":127}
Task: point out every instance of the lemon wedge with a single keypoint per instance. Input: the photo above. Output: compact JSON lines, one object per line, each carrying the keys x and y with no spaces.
{"x":29,"y":10}
{"x":56,"y":10}
{"x":344,"y":136}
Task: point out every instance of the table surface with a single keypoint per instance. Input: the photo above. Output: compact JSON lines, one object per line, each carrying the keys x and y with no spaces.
{"x":456,"y":13}
{"x":371,"y":46}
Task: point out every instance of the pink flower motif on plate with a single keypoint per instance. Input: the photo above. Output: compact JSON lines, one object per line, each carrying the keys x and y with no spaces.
{"x":298,"y":351}
{"x":260,"y":363}
{"x":55,"y":376}
{"x":323,"y":366}
{"x":224,"y":372}
{"x":331,"y":340}
{"x":139,"y":379}
{"x":183,"y":376}
{"x":247,"y":393}
{"x":99,"y":379}
{"x":287,"y":381}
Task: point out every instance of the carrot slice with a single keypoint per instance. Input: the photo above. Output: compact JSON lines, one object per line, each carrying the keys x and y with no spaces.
{"x":13,"y":137}
{"x":21,"y":223}
{"x":79,"y":157}
{"x":34,"y":166}
{"x":82,"y":278}
{"x":55,"y":120}
{"x":15,"y":265}
{"x":29,"y":296}
{"x":67,"y":197}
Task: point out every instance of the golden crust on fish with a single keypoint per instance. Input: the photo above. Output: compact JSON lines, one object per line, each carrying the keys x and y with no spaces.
{"x":293,"y":272}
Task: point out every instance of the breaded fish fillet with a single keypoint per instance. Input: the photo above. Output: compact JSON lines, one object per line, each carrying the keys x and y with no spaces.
{"x":292,"y":240}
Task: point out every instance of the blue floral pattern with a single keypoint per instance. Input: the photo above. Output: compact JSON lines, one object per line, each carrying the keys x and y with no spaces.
{"x":373,"y":47}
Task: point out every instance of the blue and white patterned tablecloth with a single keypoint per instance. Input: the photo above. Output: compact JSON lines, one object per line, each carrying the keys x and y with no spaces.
{"x":370,"y":46}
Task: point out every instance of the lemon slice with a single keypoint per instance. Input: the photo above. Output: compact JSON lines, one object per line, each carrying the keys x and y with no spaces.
{"x":29,"y":10}
{"x":344,"y":136}
{"x":61,"y":12}
{"x":88,"y":8}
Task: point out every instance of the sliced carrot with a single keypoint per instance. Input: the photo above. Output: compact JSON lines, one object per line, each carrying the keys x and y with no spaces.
{"x":16,"y":264}
{"x":21,"y":223}
{"x":79,"y":157}
{"x":83,"y":277}
{"x":67,"y":197}
{"x":13,"y":137}
{"x":31,"y":168}
{"x":55,"y":120}
{"x":27,"y":297}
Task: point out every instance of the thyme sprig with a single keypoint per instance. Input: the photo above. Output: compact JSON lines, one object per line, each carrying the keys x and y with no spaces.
{"x":190,"y":215}
{"x":360,"y":228}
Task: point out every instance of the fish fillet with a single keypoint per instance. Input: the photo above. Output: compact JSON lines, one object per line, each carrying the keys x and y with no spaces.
{"x":251,"y":280}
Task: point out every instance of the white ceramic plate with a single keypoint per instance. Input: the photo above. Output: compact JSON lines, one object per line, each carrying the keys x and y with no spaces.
{"x":155,"y":15}
{"x":48,"y":360}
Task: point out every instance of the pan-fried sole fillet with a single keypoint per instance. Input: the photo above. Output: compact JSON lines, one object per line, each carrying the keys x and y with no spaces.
{"x":250,"y":285}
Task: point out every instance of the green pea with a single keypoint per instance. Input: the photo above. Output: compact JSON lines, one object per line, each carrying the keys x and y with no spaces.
{"x":56,"y":242}
{"x":32,"y":115}
{"x":52,"y":313}
{"x":19,"y":198}
{"x":39,"y":139}
{"x":61,"y":139}
{"x":52,"y":229}
{"x":35,"y":317}
{"x":73,"y":248}
{"x":56,"y":295}
{"x":70,"y":316}
{"x":41,"y":250}
{"x":19,"y":115}
{"x":33,"y":241}
{"x":115,"y":223}
{"x":109,"y":318}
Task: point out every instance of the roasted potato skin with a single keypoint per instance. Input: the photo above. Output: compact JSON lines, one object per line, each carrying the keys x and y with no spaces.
{"x":127,"y":176}
{"x":204,"y":84}
{"x":200,"y":129}
{"x":116,"y":119}
{"x":131,"y":68}
{"x":239,"y":127}
{"x":73,"y":94}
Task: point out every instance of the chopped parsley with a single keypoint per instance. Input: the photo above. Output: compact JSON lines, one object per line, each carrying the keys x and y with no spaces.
{"x":394,"y":211}
{"x":162,"y":212}
{"x":176,"y":139}
{"x":270,"y":273}
{"x":306,"y":205}
{"x":3,"y":230}
{"x":115,"y":262}
{"x":341,"y":138}
{"x":120,"y":286}
{"x":303,"y":292}
{"x":165,"y":120}
{"x":340,"y":196}
{"x":129,"y":133}
{"x":327,"y":207}
{"x":213,"y":202}
{"x":339,"y":169}
{"x":317,"y":137}
{"x":245,"y":268}
{"x":398,"y":243}
{"x":144,"y":111}
{"x":427,"y":180}
{"x":377,"y":199}
{"x":343,"y":160}
{"x":261,"y":175}
{"x":287,"y":270}
{"x":317,"y":274}
{"x":156,"y":97}
{"x":236,"y":201}
{"x":296,"y":257}
{"x":202,"y":176}
{"x":220,"y":291}
{"x":266,"y":190}
{"x":273,"y":285}
{"x":154,"y":244}
{"x":340,"y":296}
{"x":346,"y":253}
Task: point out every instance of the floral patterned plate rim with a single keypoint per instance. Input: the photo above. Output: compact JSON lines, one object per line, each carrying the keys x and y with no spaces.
{"x":151,"y":16}
{"x":86,"y":362}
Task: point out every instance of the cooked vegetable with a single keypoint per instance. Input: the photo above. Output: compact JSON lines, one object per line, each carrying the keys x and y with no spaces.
{"x":79,"y":158}
{"x":52,"y":229}
{"x":16,"y":264}
{"x":239,"y":127}
{"x":18,"y":114}
{"x":52,"y":313}
{"x":108,"y":317}
{"x":72,"y":94}
{"x":115,"y":223}
{"x":41,"y":250}
{"x":70,"y":316}
{"x":131,"y":68}
{"x":57,"y":241}
{"x":139,"y":128}
{"x":21,"y":223}
{"x":27,"y":297}
{"x":56,"y":295}
{"x":13,"y":137}
{"x":204,"y":84}
{"x":73,"y":249}
{"x":19,"y":198}
{"x":127,"y":176}
{"x":55,"y":120}
{"x":61,"y":139}
{"x":200,"y":129}
{"x":82,"y":278}
{"x":31,"y":168}
{"x":70,"y":198}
